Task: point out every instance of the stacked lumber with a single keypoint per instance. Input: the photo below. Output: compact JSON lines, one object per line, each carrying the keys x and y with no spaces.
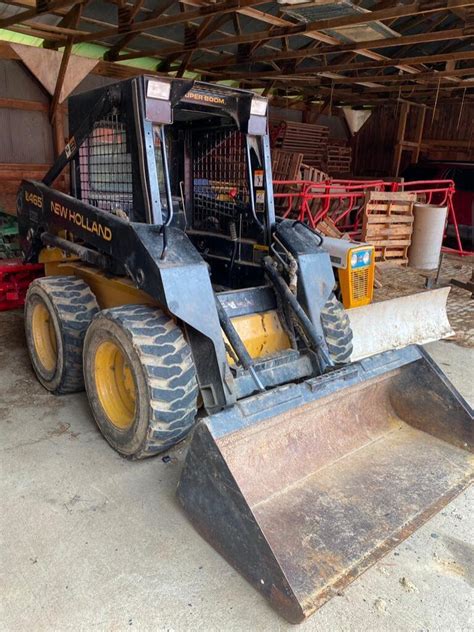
{"x":310,"y":140}
{"x":387,"y":224}
{"x":339,"y":160}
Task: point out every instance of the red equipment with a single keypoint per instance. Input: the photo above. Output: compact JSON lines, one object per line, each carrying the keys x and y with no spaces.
{"x":15,"y":277}
{"x":343,"y":200}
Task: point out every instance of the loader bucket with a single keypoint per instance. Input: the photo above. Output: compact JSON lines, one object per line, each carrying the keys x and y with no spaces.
{"x":399,"y":322}
{"x":304,"y":487}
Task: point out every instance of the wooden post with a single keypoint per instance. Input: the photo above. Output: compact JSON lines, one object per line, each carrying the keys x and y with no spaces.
{"x":419,"y":132}
{"x":60,"y":79}
{"x":58,"y":132}
{"x":402,"y":123}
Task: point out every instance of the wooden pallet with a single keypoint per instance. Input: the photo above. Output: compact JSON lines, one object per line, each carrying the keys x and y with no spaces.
{"x":327,"y":227}
{"x":313,"y":174}
{"x":310,"y":140}
{"x":339,"y":159}
{"x":286,"y":165}
{"x":388,"y":225}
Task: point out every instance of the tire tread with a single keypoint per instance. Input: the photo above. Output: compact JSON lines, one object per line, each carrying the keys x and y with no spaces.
{"x":170,"y":374}
{"x":337,"y":330}
{"x":75,"y":307}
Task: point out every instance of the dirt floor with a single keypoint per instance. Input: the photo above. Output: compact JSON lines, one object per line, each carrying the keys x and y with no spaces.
{"x":90,"y":541}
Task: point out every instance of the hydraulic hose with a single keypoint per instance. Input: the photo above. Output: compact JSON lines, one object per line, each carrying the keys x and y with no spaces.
{"x":316,"y":340}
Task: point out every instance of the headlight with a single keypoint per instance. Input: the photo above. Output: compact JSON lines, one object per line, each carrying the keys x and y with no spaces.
{"x":353,"y":259}
{"x":366,"y":258}
{"x":258,"y":107}
{"x":158,"y":90}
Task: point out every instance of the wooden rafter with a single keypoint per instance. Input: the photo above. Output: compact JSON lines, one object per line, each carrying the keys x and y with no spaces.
{"x":314,"y":70}
{"x":316,"y":26}
{"x":331,"y":65}
{"x":179,"y":18}
{"x":405,"y":40}
{"x":66,"y":24}
{"x":113,"y":52}
{"x":431,"y":76}
{"x":35,"y":11}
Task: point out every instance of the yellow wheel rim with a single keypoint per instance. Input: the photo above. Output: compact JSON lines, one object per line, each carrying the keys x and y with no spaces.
{"x":115,"y":384}
{"x":44,"y":337}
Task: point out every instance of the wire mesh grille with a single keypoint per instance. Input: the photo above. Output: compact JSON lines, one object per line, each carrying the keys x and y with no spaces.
{"x":360,"y":283}
{"x":105,"y":166}
{"x":221,"y":190}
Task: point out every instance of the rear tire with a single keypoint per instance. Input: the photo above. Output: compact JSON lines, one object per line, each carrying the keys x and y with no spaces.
{"x":337,"y":330}
{"x":58,"y":311}
{"x":140,"y":380}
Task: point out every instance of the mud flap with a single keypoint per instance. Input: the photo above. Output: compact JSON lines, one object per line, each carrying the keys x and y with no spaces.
{"x":304,"y":487}
{"x":399,"y":322}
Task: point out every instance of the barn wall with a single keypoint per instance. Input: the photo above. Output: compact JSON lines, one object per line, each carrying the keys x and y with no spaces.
{"x":447,"y":137}
{"x":26,"y":135}
{"x":372,"y":146}
{"x":451,"y":135}
{"x":26,"y":141}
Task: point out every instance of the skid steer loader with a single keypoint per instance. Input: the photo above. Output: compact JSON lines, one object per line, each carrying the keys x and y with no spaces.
{"x":178,"y":300}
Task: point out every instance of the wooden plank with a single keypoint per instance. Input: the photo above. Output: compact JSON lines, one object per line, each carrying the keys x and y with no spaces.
{"x":388,"y":264}
{"x":23,"y":104}
{"x":400,"y":196}
{"x":378,"y":209}
{"x":390,"y":242}
{"x":392,"y":231}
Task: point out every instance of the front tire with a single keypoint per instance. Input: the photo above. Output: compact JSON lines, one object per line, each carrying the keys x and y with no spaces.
{"x":337,"y":330}
{"x":140,"y":380}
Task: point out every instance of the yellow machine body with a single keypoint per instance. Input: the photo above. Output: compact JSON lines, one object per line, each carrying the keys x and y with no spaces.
{"x":262,"y":333}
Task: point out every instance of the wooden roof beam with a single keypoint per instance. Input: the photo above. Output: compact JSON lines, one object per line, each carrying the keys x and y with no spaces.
{"x":316,"y":26}
{"x":88,"y":20}
{"x":315,"y":70}
{"x":466,"y":83}
{"x":68,"y":21}
{"x":76,"y":12}
{"x":221,"y":7}
{"x":112,"y":53}
{"x":274,"y":20}
{"x":404,"y":40}
{"x":433,"y":76}
{"x":48,"y":7}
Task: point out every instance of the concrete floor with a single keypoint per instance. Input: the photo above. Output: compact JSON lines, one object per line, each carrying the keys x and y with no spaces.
{"x":93,"y":542}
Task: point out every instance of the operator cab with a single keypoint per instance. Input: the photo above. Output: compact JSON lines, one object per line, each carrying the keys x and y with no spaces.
{"x":215,"y":171}
{"x":198,"y":150}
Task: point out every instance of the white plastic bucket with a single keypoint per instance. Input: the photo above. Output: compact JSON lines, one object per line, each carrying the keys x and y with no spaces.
{"x":427,"y":237}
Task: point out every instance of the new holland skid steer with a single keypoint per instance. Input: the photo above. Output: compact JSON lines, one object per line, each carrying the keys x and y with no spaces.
{"x":174,"y":295}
